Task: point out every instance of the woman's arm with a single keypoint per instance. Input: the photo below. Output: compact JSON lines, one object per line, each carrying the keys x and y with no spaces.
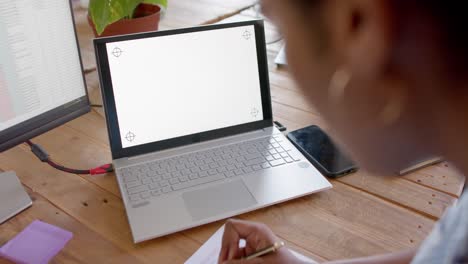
{"x":401,"y":257}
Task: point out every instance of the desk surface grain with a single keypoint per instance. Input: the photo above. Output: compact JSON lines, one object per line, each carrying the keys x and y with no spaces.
{"x":362,"y":215}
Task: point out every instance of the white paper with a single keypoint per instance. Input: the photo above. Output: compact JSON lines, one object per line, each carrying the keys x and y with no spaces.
{"x":209,"y":252}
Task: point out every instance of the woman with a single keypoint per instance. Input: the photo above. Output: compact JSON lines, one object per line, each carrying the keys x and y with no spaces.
{"x":381,"y":72}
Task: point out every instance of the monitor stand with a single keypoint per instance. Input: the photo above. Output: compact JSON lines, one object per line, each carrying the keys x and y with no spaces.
{"x":13,"y":197}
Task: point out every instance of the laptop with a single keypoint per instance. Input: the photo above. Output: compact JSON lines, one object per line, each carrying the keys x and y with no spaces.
{"x":191,"y":129}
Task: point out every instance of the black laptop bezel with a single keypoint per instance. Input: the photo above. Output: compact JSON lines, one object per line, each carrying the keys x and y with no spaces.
{"x":109,"y":102}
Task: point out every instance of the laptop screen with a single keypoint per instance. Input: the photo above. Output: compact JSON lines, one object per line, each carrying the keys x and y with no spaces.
{"x":177,"y":85}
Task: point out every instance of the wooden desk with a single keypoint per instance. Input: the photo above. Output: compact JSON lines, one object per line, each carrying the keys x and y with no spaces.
{"x":362,"y":215}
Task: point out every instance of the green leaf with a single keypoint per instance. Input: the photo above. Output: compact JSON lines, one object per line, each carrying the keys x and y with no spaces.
{"x":106,"y":12}
{"x":162,"y":3}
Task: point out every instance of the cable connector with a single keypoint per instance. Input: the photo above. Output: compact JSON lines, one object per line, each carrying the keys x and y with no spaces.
{"x":280,"y":126}
{"x":102,"y":169}
{"x":40,"y":153}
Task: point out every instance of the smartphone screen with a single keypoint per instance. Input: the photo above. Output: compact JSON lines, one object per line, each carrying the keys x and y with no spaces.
{"x":319,"y":148}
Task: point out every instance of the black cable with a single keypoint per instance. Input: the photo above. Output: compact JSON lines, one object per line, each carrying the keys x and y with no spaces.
{"x":275,"y":41}
{"x":43,"y":156}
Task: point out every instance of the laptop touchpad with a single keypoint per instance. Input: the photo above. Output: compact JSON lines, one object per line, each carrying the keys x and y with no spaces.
{"x":218,"y":200}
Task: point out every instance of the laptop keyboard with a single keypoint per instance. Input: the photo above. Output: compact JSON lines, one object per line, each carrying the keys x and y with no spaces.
{"x":154,"y":178}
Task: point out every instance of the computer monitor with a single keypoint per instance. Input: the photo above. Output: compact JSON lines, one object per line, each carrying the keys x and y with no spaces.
{"x":41,"y":79}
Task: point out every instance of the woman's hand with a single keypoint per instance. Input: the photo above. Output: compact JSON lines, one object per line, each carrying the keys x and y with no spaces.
{"x":257,"y":236}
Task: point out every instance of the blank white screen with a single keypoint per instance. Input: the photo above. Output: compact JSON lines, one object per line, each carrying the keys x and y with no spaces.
{"x":177,"y":85}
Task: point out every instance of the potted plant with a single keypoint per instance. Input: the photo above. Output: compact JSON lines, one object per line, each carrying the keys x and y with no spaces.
{"x":118,"y":17}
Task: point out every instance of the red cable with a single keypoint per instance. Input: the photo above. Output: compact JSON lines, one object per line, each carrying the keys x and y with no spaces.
{"x":43,"y":156}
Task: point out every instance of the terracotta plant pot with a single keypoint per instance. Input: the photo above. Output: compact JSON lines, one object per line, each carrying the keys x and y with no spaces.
{"x":146,"y":19}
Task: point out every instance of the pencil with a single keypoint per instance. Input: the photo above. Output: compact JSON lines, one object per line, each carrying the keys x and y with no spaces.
{"x":271,"y":249}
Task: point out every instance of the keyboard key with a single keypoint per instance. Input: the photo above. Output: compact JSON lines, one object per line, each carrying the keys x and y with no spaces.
{"x":253,"y":156}
{"x":166,"y":176}
{"x":153,"y":186}
{"x":231,"y":167}
{"x":146,"y":180}
{"x":256,"y":167}
{"x":222,"y":163}
{"x":221,"y":169}
{"x":185,"y":172}
{"x":183,"y":178}
{"x":212,"y":172}
{"x":145,"y":195}
{"x":203,"y":174}
{"x":240,"y":159}
{"x":164,"y":183}
{"x":193,"y":176}
{"x":214,"y":165}
{"x":135,"y":197}
{"x":240,"y":165}
{"x":254,"y":161}
{"x":195,"y":170}
{"x":275,"y":163}
{"x":270,"y":158}
{"x":157,"y":178}
{"x":247,"y":170}
{"x":229,"y":174}
{"x":198,"y":181}
{"x":156,"y":192}
{"x":272,"y":151}
{"x":277,"y":156}
{"x":190,"y":165}
{"x":266,"y":165}
{"x":252,"y":150}
{"x":167,"y":189}
{"x":174,"y":180}
{"x":132,"y":184}
{"x":138,"y":189}
{"x":286,"y":146}
{"x":176,"y":174}
{"x":238,"y":172}
{"x":294,"y":155}
{"x":280,"y":150}
{"x":204,"y":167}
{"x":130,"y":178}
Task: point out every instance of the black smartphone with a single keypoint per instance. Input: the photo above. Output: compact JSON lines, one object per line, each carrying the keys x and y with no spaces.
{"x":320,"y":150}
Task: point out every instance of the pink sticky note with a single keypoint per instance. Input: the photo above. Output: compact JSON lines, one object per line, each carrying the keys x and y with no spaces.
{"x":36,"y":244}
